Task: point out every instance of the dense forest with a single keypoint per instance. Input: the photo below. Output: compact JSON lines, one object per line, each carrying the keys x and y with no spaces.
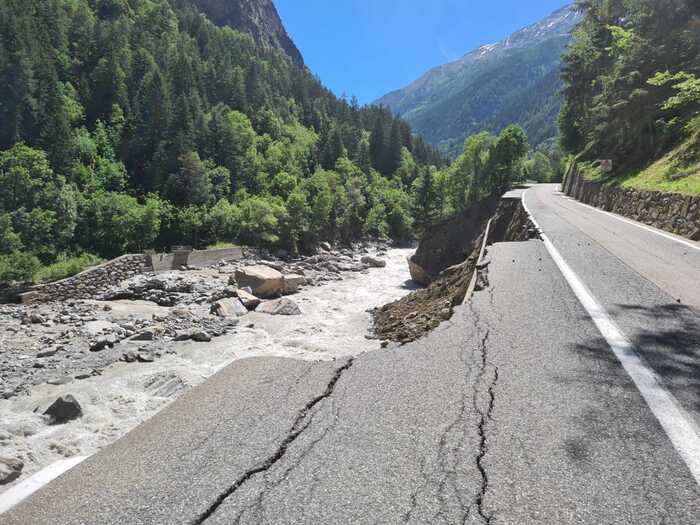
{"x":127,"y":125}
{"x":632,"y":83}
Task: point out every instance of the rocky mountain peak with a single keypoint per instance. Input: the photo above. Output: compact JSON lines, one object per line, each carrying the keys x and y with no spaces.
{"x":259,"y":18}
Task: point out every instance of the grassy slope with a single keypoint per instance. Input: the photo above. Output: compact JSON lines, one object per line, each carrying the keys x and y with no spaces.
{"x":657,"y":177}
{"x":684,"y":159}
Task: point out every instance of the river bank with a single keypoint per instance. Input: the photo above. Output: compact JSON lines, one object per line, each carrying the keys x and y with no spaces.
{"x":334,"y":322}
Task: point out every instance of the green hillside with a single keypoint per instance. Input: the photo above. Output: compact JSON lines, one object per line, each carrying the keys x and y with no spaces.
{"x":130,"y":124}
{"x":632,"y":92}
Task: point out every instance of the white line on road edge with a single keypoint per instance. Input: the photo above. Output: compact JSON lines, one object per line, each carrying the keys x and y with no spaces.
{"x":29,"y":486}
{"x":638,"y":225}
{"x":673,"y":418}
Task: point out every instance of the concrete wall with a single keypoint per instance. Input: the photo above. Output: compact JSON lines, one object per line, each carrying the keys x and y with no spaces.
{"x":673,"y":212}
{"x":202,"y":258}
{"x":199,"y":258}
{"x":162,"y":262}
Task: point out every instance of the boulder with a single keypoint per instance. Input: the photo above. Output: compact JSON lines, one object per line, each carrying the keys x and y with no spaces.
{"x":149,"y":334}
{"x":229,"y":308}
{"x":264,"y":281}
{"x":418,"y":274}
{"x":248,"y":299}
{"x":200,"y":336}
{"x":10,"y":469}
{"x":145,"y":357}
{"x":374,"y":262}
{"x":128,"y":356}
{"x":105,"y":341}
{"x":184,"y":335}
{"x":293,"y":282}
{"x":282,"y":306}
{"x":64,"y":409}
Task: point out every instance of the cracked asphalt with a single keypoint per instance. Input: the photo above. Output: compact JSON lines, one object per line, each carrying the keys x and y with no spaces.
{"x":513,"y":412}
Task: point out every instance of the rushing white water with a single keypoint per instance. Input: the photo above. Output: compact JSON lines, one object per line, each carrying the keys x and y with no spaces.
{"x":333,"y":323}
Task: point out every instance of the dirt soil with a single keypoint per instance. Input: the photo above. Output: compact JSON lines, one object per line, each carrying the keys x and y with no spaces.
{"x":417,"y":314}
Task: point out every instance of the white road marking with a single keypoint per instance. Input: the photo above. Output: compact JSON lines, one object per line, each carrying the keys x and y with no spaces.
{"x":677,"y":424}
{"x":689,"y":244}
{"x":29,"y":486}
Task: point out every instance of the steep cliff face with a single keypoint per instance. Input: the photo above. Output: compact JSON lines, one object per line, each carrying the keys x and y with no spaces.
{"x":259,"y":18}
{"x":515,"y":80}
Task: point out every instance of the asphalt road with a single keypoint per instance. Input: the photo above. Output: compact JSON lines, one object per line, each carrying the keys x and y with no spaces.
{"x":515,"y":411}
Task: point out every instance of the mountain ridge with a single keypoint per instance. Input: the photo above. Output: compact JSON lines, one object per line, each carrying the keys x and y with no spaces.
{"x":534,"y":51}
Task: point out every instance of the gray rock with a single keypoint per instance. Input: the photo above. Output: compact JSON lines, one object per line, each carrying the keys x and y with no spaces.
{"x":229,"y":291}
{"x":374,"y":262}
{"x":65,"y":408}
{"x":145,"y":357}
{"x":146,"y":335}
{"x":229,"y":308}
{"x":183,"y":336}
{"x":282,"y":306}
{"x":10,"y":469}
{"x":293,"y":282}
{"x":102,"y":343}
{"x":200,"y":336}
{"x":48,"y":353}
{"x":325,"y":247}
{"x":248,"y":299}
{"x":129,"y":357}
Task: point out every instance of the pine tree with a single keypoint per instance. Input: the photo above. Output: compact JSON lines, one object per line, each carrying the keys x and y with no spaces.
{"x":377,"y":146}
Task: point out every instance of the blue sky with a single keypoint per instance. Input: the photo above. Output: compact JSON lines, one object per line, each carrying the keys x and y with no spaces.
{"x":367,"y":48}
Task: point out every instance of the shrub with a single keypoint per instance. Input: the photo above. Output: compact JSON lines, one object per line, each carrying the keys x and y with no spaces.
{"x":18,"y":267}
{"x":66,"y":266}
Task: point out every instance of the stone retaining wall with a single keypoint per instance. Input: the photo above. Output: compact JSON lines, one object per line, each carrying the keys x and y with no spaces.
{"x":673,"y":212}
{"x":94,"y":282}
{"x":90,"y":283}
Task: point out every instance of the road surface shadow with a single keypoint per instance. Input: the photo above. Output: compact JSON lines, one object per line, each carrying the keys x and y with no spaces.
{"x":668,"y":338}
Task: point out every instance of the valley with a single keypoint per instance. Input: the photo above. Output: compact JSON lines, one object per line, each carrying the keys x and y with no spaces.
{"x":232,"y":294}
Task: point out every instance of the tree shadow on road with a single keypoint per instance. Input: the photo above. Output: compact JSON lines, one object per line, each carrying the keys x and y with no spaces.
{"x":668,"y":339}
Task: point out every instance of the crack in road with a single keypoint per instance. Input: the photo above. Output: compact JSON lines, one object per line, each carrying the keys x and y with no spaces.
{"x":271,"y":485}
{"x":449,"y":467}
{"x":484,"y":417}
{"x":294,"y":432}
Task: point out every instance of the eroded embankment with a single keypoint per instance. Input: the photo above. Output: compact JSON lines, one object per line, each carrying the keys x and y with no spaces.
{"x":422,"y":311}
